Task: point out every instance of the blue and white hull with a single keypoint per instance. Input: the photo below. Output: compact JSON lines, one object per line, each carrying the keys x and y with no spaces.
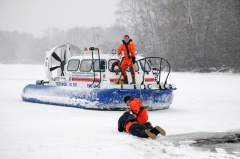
{"x":100,"y":99}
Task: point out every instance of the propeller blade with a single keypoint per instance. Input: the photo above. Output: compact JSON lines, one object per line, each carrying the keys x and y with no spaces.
{"x":56,"y":57}
{"x":53,"y":68}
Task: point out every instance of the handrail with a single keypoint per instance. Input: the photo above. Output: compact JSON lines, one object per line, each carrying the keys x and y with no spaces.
{"x":99,"y":69}
{"x":94,"y":78}
{"x":144,"y":70}
{"x":160,"y":70}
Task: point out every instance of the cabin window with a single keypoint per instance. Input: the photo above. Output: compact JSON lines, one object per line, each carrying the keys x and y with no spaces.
{"x":73,"y":65}
{"x":100,"y":68}
{"x":145,"y":65}
{"x":114,"y":65}
{"x":86,"y":65}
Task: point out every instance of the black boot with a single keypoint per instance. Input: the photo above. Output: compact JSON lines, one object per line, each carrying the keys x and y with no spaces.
{"x":133,"y":80}
{"x":125,"y":79}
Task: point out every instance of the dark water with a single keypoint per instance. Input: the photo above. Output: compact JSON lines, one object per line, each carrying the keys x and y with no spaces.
{"x":225,"y":142}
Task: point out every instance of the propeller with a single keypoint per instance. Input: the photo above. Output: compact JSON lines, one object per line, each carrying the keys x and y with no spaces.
{"x":62,"y":63}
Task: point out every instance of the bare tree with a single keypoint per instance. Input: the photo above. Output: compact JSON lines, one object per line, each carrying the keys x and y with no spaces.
{"x":192,"y":34}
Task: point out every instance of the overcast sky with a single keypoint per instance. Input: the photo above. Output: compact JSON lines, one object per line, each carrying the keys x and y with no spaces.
{"x":34,"y":16}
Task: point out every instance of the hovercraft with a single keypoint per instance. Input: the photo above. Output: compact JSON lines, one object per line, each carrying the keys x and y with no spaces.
{"x":91,"y":80}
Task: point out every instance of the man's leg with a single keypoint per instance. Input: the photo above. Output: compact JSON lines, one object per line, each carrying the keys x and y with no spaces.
{"x":158,"y":130}
{"x":141,"y":131}
{"x":124,"y":65}
{"x":151,"y":135}
{"x":148,"y":125}
{"x":125,"y":79}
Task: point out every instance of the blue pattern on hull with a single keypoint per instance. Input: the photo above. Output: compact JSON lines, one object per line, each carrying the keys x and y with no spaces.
{"x":101,"y":99}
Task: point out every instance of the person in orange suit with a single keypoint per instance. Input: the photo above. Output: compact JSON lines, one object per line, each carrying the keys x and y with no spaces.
{"x":128,"y":59}
{"x":137,"y":109}
{"x":129,"y":123}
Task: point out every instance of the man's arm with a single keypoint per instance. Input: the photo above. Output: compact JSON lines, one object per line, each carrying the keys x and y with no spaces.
{"x":133,"y":49}
{"x":134,"y":108}
{"x":120,"y":49}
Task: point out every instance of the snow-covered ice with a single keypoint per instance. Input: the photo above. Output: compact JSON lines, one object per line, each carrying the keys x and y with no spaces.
{"x":203,"y":103}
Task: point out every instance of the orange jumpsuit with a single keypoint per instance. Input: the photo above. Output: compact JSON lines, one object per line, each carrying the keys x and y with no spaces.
{"x":142,"y":114}
{"x":127,"y":58}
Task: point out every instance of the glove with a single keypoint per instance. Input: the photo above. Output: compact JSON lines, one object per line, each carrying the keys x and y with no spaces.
{"x":133,"y":60}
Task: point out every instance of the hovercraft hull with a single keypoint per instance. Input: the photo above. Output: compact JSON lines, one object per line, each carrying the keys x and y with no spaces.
{"x":100,"y":99}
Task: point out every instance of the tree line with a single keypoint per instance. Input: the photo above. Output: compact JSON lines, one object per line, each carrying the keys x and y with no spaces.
{"x":19,"y":47}
{"x":192,"y":35}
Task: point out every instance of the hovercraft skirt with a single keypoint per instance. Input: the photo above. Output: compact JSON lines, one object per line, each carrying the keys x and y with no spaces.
{"x":99,"y":99}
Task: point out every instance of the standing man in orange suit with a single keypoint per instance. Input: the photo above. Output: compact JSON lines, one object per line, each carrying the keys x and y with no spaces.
{"x":128,"y":59}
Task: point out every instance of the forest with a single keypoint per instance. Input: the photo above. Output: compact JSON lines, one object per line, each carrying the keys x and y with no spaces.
{"x":193,"y":35}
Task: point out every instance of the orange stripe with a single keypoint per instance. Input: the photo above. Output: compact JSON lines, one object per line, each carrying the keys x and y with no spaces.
{"x":150,"y":80}
{"x":128,"y":125}
{"x":116,"y":79}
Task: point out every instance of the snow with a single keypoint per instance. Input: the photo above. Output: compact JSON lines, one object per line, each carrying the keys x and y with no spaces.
{"x":203,"y":102}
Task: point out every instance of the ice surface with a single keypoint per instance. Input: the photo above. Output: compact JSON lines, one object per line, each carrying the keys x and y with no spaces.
{"x":203,"y":102}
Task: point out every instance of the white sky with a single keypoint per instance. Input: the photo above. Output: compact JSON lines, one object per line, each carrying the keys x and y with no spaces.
{"x":34,"y":16}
